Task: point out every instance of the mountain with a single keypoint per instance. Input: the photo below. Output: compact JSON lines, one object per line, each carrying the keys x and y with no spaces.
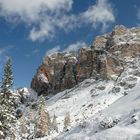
{"x":92,"y":94}
{"x":103,"y":108}
{"x":98,"y":86}
{"x":105,"y":59}
{"x":100,"y":109}
{"x":98,"y":114}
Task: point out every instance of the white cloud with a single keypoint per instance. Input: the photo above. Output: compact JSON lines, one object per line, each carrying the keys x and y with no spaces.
{"x":31,"y":11}
{"x":53,"y":50}
{"x":44,"y":17}
{"x":75,"y":46}
{"x":48,"y":27}
{"x":41,"y":15}
{"x":45,"y":30}
{"x":100,"y":13}
{"x":71,"y":48}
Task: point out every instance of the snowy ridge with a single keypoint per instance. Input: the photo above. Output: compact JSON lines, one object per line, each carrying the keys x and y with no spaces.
{"x":123,"y":109}
{"x":84,"y":101}
{"x":128,"y":35}
{"x":100,"y":109}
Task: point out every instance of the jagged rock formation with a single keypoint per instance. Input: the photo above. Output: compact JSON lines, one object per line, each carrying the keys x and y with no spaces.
{"x":105,"y":59}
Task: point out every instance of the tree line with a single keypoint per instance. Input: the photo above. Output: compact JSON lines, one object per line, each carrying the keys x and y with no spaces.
{"x":43,"y":123}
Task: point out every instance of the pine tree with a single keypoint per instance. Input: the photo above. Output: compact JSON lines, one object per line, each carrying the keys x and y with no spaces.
{"x":7,"y":80}
{"x":54,"y":124}
{"x":43,"y":121}
{"x":22,"y":126}
{"x":67,"y":122}
{"x":48,"y":118}
{"x":7,"y":109}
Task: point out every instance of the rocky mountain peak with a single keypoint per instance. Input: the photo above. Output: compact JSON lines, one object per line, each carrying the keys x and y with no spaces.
{"x":105,"y":59}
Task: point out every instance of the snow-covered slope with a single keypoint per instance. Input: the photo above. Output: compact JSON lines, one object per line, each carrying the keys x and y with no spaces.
{"x":89,"y":104}
{"x":122,"y":116}
{"x":99,"y":109}
{"x":83,"y":101}
{"x":108,"y":110}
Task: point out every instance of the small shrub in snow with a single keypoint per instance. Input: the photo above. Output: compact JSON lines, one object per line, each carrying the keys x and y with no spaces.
{"x":67,"y":122}
{"x":90,"y":105}
{"x":109,"y":122}
{"x":136,"y":73}
{"x":116,"y":89}
{"x":54,"y":124}
{"x":86,"y":84}
{"x":132,"y":78}
{"x":116,"y":119}
{"x":125,"y":93}
{"x":131,"y":85}
{"x":122,"y":83}
{"x":19,"y":113}
{"x":34,"y":105}
{"x":101,"y":87}
{"x":93,"y":93}
{"x":134,"y":118}
{"x":83,"y":124}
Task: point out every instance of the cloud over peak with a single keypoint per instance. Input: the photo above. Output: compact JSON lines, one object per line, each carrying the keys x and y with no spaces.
{"x":44,"y":17}
{"x":52,"y":51}
{"x":75,"y":46}
{"x":100,"y":13}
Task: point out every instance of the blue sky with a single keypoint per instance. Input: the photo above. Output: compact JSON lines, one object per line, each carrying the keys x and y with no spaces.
{"x":31,"y":30}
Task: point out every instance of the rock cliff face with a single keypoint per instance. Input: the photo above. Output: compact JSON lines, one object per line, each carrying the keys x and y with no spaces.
{"x":105,"y":59}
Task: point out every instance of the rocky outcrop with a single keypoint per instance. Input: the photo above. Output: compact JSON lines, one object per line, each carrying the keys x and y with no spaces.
{"x":55,"y":74}
{"x":105,"y":59}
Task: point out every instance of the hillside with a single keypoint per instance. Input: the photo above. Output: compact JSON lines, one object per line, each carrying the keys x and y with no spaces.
{"x":108,"y":115}
{"x":104,"y":59}
{"x":70,"y":70}
{"x":100,"y":109}
{"x":99,"y":86}
{"x":97,"y":89}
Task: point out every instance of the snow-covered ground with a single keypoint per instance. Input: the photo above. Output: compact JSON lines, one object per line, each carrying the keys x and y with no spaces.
{"x":100,"y":109}
{"x":95,"y":106}
{"x":121,"y":115}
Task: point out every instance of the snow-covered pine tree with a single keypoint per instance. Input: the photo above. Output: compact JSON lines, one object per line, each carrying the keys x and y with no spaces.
{"x":43,"y":126}
{"x":7,"y":79}
{"x":67,"y":122}
{"x":49,"y":121}
{"x":7,"y":109}
{"x":22,"y":126}
{"x":54,"y":124}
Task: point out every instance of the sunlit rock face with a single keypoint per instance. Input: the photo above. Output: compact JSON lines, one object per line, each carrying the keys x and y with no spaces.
{"x":105,"y":59}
